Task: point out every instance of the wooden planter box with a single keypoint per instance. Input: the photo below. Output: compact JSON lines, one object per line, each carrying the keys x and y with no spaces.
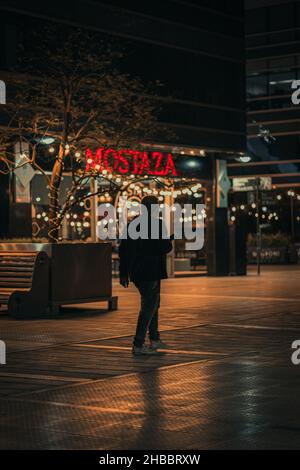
{"x":38,"y":278}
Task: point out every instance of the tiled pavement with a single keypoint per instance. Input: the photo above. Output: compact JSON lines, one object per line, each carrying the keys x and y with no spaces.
{"x":227,"y":381}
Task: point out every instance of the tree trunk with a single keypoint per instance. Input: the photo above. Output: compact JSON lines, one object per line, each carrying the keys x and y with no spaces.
{"x":55,"y":182}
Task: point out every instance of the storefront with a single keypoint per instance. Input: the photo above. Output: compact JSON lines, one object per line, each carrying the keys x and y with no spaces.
{"x":173,"y":174}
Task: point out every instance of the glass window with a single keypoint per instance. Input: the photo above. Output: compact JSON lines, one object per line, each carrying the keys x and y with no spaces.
{"x":256,"y":20}
{"x":280,"y":83}
{"x":282,"y":63}
{"x":256,"y":40}
{"x":281,"y":17}
{"x":257,"y":85}
{"x":282,"y":37}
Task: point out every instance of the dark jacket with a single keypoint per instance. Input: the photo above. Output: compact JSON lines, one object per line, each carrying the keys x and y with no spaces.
{"x":144,"y":260}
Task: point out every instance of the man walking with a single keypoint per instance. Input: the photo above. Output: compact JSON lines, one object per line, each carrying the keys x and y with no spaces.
{"x":143,"y":261}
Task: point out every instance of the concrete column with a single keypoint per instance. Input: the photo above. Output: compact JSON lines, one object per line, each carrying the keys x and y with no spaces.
{"x":217,"y":242}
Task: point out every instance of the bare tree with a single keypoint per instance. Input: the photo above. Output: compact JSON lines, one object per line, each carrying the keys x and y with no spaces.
{"x":69,"y":89}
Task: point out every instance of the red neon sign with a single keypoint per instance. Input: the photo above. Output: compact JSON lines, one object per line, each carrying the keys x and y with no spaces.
{"x":130,"y":162}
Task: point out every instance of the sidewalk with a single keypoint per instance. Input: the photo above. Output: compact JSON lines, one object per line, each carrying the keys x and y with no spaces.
{"x":226,"y":382}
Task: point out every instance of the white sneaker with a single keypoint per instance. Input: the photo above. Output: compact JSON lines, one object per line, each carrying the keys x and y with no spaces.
{"x":158,"y":344}
{"x":143,"y":350}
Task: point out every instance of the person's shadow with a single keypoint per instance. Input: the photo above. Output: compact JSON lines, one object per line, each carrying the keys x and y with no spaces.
{"x":149,"y":434}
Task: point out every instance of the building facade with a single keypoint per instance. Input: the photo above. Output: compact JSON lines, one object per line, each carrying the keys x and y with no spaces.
{"x":267,"y":179}
{"x":195,"y":49}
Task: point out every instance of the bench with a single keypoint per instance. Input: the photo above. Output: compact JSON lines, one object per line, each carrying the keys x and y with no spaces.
{"x":36,"y":279}
{"x":24,"y":282}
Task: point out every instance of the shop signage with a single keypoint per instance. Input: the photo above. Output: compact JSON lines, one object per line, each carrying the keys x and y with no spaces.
{"x":23,"y":172}
{"x":2,"y":92}
{"x":128,"y":161}
{"x":250,"y":184}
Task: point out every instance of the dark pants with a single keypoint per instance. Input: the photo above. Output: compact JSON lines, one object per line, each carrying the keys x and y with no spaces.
{"x":148,"y":316}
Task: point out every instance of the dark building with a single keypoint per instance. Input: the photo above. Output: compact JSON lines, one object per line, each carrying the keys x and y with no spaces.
{"x":196,"y":49}
{"x":273,"y":63}
{"x":273,"y":121}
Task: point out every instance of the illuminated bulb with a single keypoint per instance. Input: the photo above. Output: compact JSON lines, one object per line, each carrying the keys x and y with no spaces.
{"x":232,"y":218}
{"x":37,"y":199}
{"x":77,"y":154}
{"x":72,"y":224}
{"x":253,"y":205}
{"x":38,"y":216}
{"x":46,"y":219}
{"x":279,"y":197}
